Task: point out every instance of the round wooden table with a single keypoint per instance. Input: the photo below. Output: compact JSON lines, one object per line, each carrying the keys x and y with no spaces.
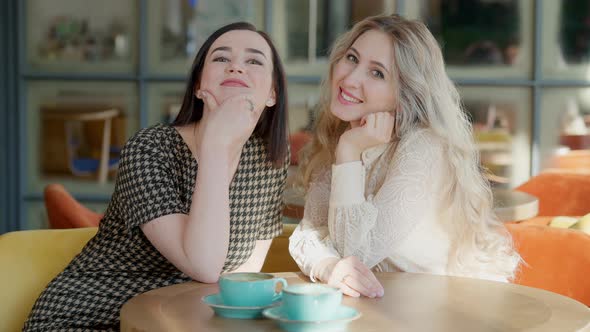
{"x":512,"y":205}
{"x":412,"y":302}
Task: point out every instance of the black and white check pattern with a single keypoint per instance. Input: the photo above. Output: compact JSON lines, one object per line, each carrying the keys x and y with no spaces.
{"x":156,"y":177}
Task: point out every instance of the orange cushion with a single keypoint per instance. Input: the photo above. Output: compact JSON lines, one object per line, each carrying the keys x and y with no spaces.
{"x":64,"y":211}
{"x":555,"y":259}
{"x":560,"y":194}
{"x":297,"y":142}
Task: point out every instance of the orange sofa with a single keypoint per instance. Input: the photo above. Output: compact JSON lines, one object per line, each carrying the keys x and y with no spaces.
{"x":555,"y":259}
{"x":560,"y":193}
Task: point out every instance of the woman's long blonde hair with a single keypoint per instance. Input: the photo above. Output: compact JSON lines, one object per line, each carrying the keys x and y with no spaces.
{"x":426,"y":98}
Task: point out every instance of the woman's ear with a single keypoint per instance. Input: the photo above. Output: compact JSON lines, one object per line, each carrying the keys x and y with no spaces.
{"x":196,"y":91}
{"x":272,"y":99}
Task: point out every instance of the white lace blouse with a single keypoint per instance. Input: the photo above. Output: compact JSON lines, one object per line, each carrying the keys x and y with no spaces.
{"x":383,"y":210}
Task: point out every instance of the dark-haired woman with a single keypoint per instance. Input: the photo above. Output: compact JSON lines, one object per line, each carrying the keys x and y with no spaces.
{"x":192,"y":200}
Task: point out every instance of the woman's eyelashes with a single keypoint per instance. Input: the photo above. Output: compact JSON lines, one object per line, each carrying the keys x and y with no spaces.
{"x":376,"y":73}
{"x":252,"y":61}
{"x":352,"y":58}
{"x":220,"y":59}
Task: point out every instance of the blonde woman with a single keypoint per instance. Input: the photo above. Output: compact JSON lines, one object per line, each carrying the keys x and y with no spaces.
{"x":392,"y":175}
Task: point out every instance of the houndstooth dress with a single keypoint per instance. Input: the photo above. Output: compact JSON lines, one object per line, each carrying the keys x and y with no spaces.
{"x":156,"y":178}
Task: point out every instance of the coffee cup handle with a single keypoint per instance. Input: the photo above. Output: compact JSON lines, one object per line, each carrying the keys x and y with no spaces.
{"x":278,"y":295}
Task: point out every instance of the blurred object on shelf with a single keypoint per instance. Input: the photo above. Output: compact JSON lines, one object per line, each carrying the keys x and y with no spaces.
{"x":187,"y":24}
{"x":494,"y":142}
{"x":572,"y":121}
{"x":73,"y":39}
{"x":489,"y":36}
{"x":575,"y":142}
{"x":574,"y":131}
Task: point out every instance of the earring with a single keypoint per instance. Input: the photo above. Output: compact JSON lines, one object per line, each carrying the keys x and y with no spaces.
{"x":270,"y":102}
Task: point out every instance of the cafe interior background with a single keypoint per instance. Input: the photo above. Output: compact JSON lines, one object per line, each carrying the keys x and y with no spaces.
{"x":79,"y":77}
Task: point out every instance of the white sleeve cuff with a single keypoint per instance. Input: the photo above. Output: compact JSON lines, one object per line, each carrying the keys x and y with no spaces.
{"x":348,"y":184}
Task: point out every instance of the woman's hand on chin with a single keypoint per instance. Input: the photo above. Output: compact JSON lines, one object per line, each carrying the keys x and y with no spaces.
{"x":374,"y":129}
{"x":227,"y":125}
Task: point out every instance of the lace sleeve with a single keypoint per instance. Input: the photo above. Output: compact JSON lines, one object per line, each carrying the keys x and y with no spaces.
{"x":371,"y":228}
{"x":310,"y":242}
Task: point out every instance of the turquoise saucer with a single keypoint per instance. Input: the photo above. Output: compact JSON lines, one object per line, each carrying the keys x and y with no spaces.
{"x":216,"y":303}
{"x":342,"y":317}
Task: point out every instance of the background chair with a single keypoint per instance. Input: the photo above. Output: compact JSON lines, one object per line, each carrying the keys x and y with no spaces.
{"x":297,"y":141}
{"x":560,"y":193}
{"x":29,"y":261}
{"x":555,"y":259}
{"x":74,"y":117}
{"x":64,"y":211}
{"x":278,"y":258}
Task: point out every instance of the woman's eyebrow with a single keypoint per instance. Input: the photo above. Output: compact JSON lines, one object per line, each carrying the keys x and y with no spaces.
{"x":253,"y":50}
{"x":222,"y":48}
{"x":249,"y":50}
{"x":377,"y":63}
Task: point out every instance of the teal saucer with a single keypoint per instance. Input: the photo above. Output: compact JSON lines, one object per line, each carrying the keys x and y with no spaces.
{"x":338,"y":322}
{"x":216,"y":303}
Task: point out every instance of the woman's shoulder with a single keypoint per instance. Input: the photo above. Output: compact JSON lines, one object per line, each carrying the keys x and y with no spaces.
{"x":157,"y":136}
{"x":422,"y":140}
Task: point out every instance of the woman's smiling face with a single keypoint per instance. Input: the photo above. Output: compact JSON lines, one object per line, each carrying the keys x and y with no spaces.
{"x":364,"y":79}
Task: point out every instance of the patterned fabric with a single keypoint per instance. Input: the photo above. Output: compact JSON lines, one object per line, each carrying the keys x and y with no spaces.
{"x":383,"y":210}
{"x":156,"y":177}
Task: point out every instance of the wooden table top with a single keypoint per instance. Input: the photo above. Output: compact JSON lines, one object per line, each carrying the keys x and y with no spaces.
{"x":512,"y":205}
{"x":412,"y":302}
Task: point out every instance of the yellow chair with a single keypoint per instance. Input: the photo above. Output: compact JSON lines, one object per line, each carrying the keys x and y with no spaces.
{"x":278,"y":258}
{"x":29,"y":261}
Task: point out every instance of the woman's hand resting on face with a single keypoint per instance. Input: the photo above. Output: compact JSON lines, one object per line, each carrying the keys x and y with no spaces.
{"x":226,"y":126}
{"x":350,"y":275}
{"x":374,"y":129}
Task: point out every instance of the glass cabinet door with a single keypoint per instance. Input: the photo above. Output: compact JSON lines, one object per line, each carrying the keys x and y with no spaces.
{"x":564,"y":123}
{"x":480,"y":38}
{"x":502,"y":130}
{"x":566,"y":39}
{"x":178,"y":28}
{"x":75,"y":132}
{"x":303,"y":99}
{"x":304,"y":30}
{"x":82,"y":36}
{"x":164,"y":101}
